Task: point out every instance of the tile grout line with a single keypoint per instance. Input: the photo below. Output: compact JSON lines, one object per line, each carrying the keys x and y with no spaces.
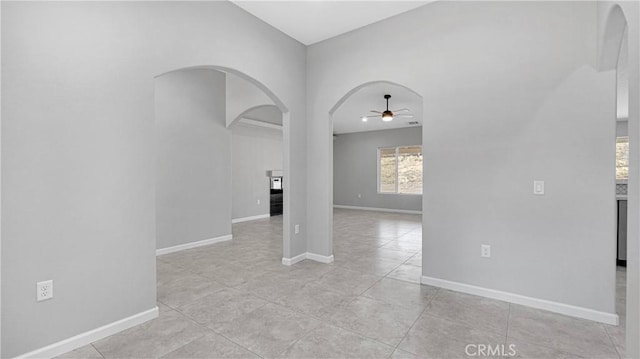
{"x":269,"y":301}
{"x":296,"y":342}
{"x":563,"y":351}
{"x":320,"y":320}
{"x":94,"y":347}
{"x":615,"y":347}
{"x":187,"y":318}
{"x":209,"y":330}
{"x":415,"y":321}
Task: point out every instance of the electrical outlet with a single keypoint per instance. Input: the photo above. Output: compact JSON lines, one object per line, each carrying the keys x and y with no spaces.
{"x":258,"y":201}
{"x":485,"y":251}
{"x":44,"y":290}
{"x":296,"y":228}
{"x":538,"y":187}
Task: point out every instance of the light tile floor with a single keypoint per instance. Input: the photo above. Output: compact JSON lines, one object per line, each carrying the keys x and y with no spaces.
{"x":236,"y":300}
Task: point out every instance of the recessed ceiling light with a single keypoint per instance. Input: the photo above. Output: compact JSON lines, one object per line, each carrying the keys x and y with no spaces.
{"x":364,"y":119}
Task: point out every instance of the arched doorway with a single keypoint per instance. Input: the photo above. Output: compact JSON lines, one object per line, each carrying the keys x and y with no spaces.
{"x":261,"y":96}
{"x":613,"y":54}
{"x":376,"y":181}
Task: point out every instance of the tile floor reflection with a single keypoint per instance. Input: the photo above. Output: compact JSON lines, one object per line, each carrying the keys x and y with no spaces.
{"x":236,"y":300}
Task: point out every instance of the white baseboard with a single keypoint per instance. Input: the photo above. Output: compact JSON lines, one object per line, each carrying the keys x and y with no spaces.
{"x":320,"y":258}
{"x":252,"y":218}
{"x":556,"y":307}
{"x":182,"y":247}
{"x":307,"y":255}
{"x":294,"y":260}
{"x":377,"y":209}
{"x":91,"y":336}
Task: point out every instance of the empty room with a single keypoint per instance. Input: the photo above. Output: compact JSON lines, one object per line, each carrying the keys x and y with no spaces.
{"x":320,"y":179}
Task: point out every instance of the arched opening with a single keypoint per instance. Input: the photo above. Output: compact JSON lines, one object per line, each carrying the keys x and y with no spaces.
{"x":257,"y":160}
{"x":269,"y":114}
{"x":613,"y":55}
{"x":242,"y":75}
{"x":376,"y":181}
{"x":195,"y":190}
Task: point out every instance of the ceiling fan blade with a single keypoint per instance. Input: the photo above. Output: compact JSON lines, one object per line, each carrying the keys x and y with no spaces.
{"x":401,"y":110}
{"x":374,"y":111}
{"x":372,"y":117}
{"x":405,"y":115}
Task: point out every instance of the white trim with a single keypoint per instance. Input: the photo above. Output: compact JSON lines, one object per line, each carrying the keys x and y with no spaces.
{"x":181,"y":247}
{"x":378,"y":209}
{"x":307,"y":255}
{"x":556,"y":307}
{"x":294,"y":260}
{"x":320,"y":258}
{"x":91,"y":336}
{"x":251,"y":218}
{"x":252,"y":122}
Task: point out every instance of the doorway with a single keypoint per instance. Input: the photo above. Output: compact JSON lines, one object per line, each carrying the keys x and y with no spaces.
{"x":377,"y":181}
{"x":614,"y":55}
{"x":198,"y":198}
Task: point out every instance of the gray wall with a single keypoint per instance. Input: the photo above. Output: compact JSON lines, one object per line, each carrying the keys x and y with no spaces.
{"x":511,"y":95}
{"x":622,"y":128}
{"x":78,"y":148}
{"x":193,"y":163}
{"x":355,"y":166}
{"x":255,"y":150}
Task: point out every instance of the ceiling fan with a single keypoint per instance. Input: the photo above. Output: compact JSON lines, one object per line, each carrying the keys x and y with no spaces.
{"x":388,"y":115}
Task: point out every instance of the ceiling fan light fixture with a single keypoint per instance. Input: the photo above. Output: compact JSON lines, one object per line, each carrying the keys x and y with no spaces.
{"x":387,"y":116}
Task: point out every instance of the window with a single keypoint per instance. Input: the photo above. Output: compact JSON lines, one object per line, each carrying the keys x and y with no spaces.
{"x":400,"y":170}
{"x":622,"y":158}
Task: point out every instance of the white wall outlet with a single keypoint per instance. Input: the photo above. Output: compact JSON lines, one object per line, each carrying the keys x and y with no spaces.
{"x":296,"y":228}
{"x":538,"y":187}
{"x":44,"y":290}
{"x":485,"y":251}
{"x":258,"y":201}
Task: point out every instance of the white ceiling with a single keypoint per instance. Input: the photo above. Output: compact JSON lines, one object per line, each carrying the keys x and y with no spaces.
{"x":348,"y":117}
{"x":311,"y":21}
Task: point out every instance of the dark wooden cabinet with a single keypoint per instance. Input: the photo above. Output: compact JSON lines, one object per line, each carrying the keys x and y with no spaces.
{"x":276,"y":206}
{"x":622,"y":233}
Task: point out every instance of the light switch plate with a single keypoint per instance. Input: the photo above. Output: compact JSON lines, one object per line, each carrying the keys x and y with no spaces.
{"x":538,"y":187}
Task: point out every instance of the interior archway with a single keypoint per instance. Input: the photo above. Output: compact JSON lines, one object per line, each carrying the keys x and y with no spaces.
{"x":372,"y":209}
{"x":269,"y":114}
{"x":242,"y":75}
{"x":279,"y":106}
{"x":613,"y":55}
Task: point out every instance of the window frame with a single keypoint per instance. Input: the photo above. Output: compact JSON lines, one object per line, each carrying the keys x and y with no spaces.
{"x":396,"y":183}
